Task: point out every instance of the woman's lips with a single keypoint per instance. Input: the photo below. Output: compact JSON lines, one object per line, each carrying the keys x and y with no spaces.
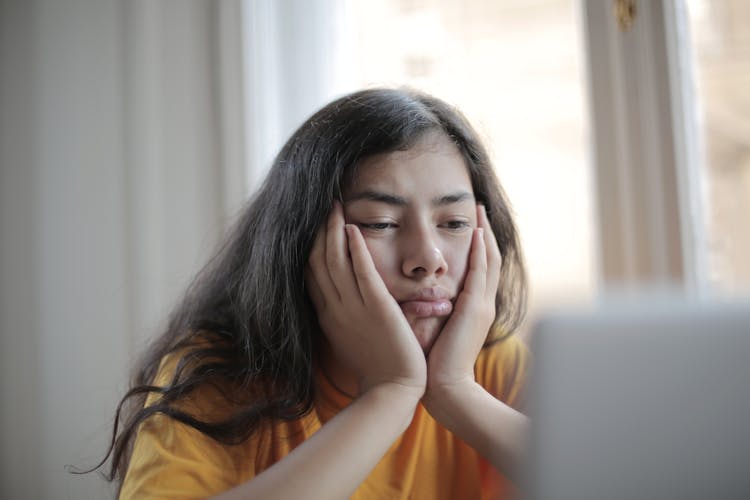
{"x":427,"y":308}
{"x":427,"y":303}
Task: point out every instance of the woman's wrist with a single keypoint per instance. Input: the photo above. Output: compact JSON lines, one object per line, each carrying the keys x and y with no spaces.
{"x":406,"y":392}
{"x":443,"y":400}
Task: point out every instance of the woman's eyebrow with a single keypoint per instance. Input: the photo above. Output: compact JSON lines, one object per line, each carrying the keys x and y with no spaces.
{"x":379,"y":196}
{"x":448,"y":199}
{"x":392,"y":199}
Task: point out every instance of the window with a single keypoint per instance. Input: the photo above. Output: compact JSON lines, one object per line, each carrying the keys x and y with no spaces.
{"x":514,"y":68}
{"x":625,"y":152}
{"x":721,"y":58}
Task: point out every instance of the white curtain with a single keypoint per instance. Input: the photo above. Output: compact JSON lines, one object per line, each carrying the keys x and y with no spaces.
{"x":296,"y":59}
{"x":122,"y":162}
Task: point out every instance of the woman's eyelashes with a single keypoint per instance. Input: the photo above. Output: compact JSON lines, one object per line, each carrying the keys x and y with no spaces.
{"x":377,"y":226}
{"x":453,"y":225}
{"x":456,"y":224}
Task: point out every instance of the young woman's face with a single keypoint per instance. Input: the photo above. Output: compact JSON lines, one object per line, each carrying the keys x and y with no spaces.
{"x":416,"y":211}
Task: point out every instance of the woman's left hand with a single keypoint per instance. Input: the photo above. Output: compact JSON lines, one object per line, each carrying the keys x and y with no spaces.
{"x":453,"y":397}
{"x":451,"y":359}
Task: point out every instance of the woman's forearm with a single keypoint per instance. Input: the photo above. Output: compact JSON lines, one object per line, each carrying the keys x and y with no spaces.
{"x":497,"y":431}
{"x":339,"y":457}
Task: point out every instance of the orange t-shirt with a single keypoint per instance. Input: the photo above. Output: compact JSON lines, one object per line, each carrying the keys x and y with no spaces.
{"x":172,"y":460}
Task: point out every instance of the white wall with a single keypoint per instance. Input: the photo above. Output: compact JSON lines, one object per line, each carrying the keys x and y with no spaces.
{"x":118,"y":173}
{"x":64,"y":294}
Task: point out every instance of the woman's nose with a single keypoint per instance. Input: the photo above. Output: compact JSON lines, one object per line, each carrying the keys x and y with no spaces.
{"x":423,"y":257}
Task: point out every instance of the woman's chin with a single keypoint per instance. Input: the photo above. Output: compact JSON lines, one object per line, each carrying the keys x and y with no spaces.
{"x":427,"y":331}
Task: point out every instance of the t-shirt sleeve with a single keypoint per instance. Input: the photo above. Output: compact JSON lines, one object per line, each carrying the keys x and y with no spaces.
{"x":502,"y":369}
{"x":174,"y":460}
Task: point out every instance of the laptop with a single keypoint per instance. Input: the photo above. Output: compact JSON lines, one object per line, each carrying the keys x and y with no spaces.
{"x":641,"y":400}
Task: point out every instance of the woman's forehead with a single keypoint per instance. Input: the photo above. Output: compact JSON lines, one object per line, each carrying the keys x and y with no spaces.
{"x":432,"y":162}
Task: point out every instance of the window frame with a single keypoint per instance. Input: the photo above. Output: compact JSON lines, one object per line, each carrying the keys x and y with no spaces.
{"x":646,"y":149}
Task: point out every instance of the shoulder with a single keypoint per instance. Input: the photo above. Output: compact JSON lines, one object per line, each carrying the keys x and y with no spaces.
{"x":502,"y":368}
{"x":173,"y":457}
{"x":199,"y":379}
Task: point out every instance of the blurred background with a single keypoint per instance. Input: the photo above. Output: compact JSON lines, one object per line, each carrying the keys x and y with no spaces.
{"x":132,"y":131}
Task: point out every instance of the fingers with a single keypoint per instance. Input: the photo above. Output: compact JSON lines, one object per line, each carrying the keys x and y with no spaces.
{"x":340,"y":266}
{"x":494,"y":259}
{"x":318,"y":268}
{"x":338,"y":261}
{"x":369,"y":282}
{"x":476,"y":277}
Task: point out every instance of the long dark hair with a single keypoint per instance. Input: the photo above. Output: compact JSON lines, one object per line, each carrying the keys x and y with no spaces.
{"x":246,"y":320}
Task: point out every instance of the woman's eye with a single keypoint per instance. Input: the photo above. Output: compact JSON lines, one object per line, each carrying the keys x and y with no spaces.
{"x":455,"y":224}
{"x":378,"y":226}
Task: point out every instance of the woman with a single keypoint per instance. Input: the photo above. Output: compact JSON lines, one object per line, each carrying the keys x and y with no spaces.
{"x":353,"y":335}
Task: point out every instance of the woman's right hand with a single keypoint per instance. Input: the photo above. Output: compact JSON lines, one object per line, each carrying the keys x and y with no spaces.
{"x":363,"y":323}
